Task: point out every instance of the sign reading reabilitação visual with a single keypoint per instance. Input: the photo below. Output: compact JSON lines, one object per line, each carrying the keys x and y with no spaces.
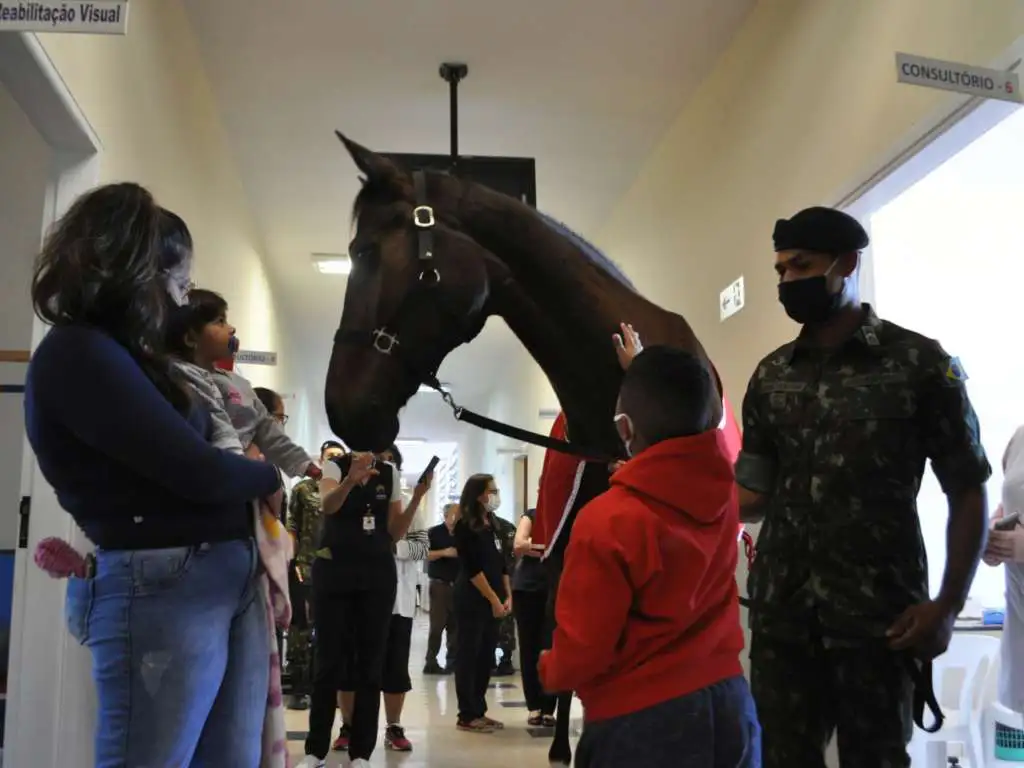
{"x":100,"y":17}
{"x":959,"y":78}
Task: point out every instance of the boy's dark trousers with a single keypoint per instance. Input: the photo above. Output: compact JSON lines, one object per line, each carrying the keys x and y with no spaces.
{"x":715,"y":727}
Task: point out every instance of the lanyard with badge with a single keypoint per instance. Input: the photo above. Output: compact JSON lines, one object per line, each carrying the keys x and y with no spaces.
{"x":369,"y":521}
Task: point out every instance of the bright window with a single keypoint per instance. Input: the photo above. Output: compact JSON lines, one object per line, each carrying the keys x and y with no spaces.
{"x":947,"y":259}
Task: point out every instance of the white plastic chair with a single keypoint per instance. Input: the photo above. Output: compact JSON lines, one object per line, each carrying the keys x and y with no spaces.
{"x":997,"y":713}
{"x":963,"y":688}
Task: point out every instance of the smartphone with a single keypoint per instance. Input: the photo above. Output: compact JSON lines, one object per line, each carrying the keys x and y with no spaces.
{"x":430,"y":468}
{"x":1007,"y":523}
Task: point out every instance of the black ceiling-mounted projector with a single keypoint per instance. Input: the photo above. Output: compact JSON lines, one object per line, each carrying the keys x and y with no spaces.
{"x":513,"y":176}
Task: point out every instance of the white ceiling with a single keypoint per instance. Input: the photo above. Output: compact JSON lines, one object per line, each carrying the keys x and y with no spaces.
{"x":587,"y":87}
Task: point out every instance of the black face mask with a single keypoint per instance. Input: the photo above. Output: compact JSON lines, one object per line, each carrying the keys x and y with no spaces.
{"x":808,"y":301}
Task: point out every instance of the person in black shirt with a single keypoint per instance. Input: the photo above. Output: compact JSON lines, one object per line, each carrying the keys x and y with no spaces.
{"x":530,"y":598}
{"x":354,"y":582}
{"x":443,"y":569}
{"x":483,"y":595}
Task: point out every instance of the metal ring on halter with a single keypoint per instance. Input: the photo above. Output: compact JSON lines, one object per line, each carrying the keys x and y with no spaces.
{"x":431,"y":276}
{"x":423,"y":216}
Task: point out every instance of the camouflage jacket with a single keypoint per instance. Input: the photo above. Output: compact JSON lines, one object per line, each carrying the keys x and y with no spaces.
{"x":506,"y":535}
{"x":305,"y":518}
{"x":837,"y":440}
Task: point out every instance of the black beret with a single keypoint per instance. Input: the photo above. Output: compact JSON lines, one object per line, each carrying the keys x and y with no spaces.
{"x":824,"y":230}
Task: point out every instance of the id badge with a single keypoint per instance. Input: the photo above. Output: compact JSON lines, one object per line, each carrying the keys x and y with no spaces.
{"x":497,"y":544}
{"x":369,"y":523}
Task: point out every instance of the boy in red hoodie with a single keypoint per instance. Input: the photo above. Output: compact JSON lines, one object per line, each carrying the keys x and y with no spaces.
{"x":648,"y":628}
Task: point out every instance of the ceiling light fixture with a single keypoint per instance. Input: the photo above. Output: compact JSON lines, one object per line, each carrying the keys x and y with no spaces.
{"x":426,"y":388}
{"x":332,"y":263}
{"x":411,"y":441}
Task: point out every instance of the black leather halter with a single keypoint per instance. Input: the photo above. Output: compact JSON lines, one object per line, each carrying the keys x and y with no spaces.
{"x":386,"y":339}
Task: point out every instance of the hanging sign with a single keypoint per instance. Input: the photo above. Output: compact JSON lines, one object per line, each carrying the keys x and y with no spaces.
{"x":959,"y":78}
{"x":101,"y":17}
{"x":252,"y":357}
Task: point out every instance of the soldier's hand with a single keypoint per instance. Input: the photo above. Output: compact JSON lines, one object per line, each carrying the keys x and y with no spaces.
{"x":926,"y":628}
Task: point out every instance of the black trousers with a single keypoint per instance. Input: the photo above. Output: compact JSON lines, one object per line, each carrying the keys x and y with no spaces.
{"x":396,"y":660}
{"x":534,"y":636}
{"x":351,"y":628}
{"x":478,"y":637}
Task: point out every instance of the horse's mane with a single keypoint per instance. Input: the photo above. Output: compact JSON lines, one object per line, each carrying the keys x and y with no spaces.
{"x":372,"y":193}
{"x":590,"y":250}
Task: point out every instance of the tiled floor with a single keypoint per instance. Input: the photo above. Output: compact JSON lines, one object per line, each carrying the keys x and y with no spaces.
{"x":429,"y":720}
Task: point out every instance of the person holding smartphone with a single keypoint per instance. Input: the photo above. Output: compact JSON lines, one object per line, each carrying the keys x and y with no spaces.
{"x":354,"y":583}
{"x":483,"y":596}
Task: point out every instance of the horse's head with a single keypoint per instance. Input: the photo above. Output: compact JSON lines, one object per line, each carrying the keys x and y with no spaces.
{"x":418,"y":288}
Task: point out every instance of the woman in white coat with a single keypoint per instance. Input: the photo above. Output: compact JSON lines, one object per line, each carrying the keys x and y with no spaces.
{"x":1007,"y":547}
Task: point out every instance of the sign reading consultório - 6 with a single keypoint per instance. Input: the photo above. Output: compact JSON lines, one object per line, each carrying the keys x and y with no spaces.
{"x":100,"y":17}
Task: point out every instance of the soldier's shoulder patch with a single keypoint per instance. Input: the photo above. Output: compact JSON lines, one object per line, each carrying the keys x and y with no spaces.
{"x":955,"y":371}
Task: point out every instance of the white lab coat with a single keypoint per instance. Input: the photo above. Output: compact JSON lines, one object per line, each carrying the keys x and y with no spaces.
{"x":1011,"y":678}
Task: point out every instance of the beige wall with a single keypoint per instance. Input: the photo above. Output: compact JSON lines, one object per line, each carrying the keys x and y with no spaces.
{"x":800,"y":107}
{"x":148,"y":98}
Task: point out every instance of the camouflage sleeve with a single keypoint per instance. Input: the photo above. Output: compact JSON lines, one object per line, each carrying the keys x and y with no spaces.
{"x":756,"y":466}
{"x":295,"y":508}
{"x":949,"y":426}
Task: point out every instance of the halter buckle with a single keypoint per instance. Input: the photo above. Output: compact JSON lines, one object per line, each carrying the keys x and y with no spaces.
{"x":390,"y":341}
{"x":423,"y":216}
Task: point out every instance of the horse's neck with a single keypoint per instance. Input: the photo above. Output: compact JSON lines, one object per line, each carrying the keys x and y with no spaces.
{"x":562,"y":306}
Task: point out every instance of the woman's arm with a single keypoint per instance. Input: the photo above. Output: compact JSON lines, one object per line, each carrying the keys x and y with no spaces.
{"x":399,"y":520}
{"x":413,"y":546}
{"x":523,"y":544}
{"x":467,"y":543}
{"x":334,"y":489}
{"x":95,"y":389}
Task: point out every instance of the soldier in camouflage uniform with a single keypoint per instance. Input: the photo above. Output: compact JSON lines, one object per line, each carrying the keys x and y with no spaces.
{"x":506,"y":533}
{"x":304,"y":523}
{"x":837,"y":426}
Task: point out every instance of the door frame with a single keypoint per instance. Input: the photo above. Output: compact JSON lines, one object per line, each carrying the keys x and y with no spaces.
{"x":50,"y":699}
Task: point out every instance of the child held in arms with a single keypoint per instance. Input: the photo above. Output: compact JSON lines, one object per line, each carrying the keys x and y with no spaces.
{"x":647,"y":617}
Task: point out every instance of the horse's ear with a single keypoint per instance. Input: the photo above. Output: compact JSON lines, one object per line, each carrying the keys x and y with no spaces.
{"x":376,"y":167}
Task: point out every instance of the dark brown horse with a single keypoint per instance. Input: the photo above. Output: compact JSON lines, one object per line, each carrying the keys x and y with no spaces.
{"x":433,"y":258}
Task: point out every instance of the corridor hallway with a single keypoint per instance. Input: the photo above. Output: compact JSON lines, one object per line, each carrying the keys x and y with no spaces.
{"x":429,"y":721}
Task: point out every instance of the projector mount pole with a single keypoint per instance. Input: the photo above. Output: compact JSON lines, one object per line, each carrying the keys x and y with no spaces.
{"x":453,"y":74}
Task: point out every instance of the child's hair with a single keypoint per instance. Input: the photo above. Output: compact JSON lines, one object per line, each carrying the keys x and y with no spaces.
{"x":203,"y":307}
{"x":268,"y":397}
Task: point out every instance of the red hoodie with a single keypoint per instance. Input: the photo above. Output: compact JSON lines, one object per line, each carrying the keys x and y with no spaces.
{"x":647,"y":605}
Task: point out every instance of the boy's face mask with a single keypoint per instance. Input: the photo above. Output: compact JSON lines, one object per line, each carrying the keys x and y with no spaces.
{"x":624,"y":426}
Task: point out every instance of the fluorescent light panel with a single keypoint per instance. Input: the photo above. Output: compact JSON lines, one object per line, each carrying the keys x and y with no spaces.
{"x":424,"y":388}
{"x":410,"y":441}
{"x":332,"y":263}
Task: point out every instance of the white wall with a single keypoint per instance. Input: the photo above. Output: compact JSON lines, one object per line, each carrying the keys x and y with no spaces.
{"x":25,"y":161}
{"x":150,"y":102}
{"x":523,"y":393}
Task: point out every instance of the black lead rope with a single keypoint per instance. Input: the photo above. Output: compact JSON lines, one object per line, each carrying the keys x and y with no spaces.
{"x":921,"y":674}
{"x":515,"y":433}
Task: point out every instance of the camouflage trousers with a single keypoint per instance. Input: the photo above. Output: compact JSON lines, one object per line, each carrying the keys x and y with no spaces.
{"x":299,"y":660}
{"x":507,"y":638}
{"x":805,"y":692}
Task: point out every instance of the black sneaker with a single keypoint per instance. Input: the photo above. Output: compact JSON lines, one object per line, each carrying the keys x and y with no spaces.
{"x":433,"y":669}
{"x":504,"y":670}
{"x":298,"y":702}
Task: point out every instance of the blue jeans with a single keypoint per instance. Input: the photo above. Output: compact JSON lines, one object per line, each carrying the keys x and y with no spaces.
{"x":181,"y":655}
{"x":715,"y":727}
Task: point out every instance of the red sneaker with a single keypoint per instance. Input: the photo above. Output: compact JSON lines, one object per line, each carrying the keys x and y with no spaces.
{"x":341,"y":743}
{"x":394,"y":738}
